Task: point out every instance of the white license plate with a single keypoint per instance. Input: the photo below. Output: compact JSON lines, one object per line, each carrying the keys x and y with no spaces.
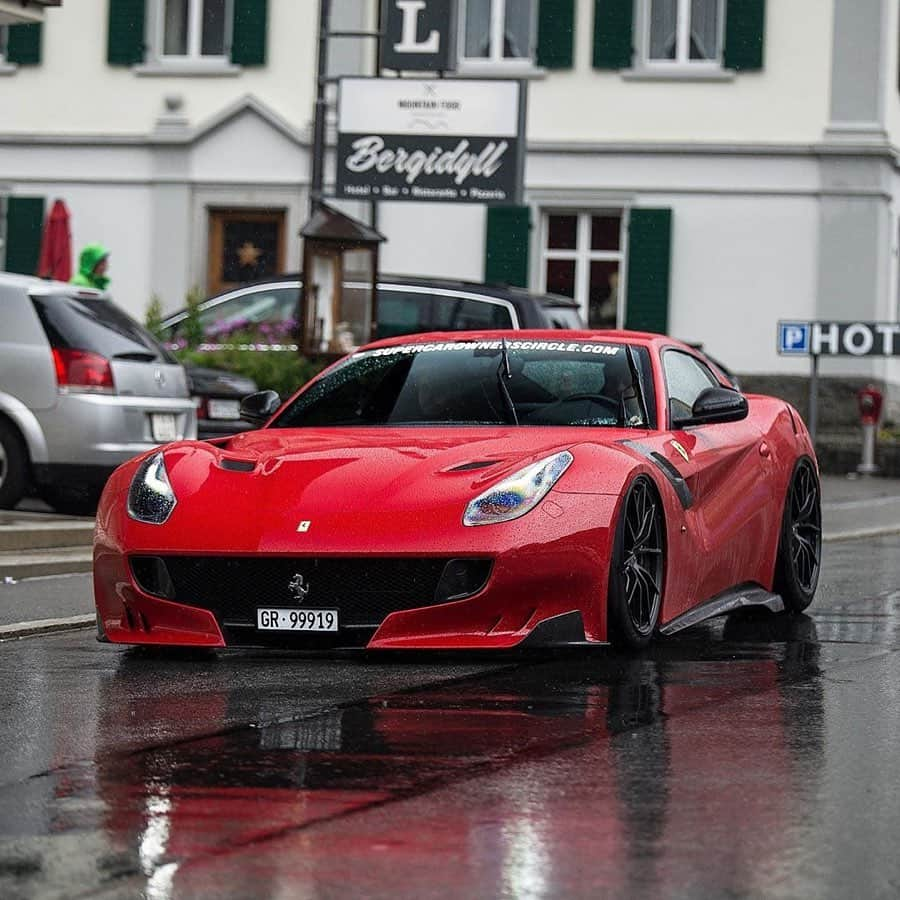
{"x":163,"y":427}
{"x":223,"y":409}
{"x":297,"y":619}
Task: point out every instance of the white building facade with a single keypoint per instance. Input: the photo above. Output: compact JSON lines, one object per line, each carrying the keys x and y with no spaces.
{"x":702,"y":167}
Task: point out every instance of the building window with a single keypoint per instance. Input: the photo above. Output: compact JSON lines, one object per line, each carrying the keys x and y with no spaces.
{"x":3,"y":37}
{"x":685,"y":32}
{"x":497,"y":31}
{"x":194,"y":29}
{"x":582,"y":258}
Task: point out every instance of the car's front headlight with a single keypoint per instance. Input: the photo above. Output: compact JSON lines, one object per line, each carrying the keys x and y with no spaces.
{"x":516,"y":495}
{"x":150,"y":497}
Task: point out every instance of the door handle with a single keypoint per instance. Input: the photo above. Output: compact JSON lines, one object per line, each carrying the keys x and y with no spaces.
{"x":764,"y":450}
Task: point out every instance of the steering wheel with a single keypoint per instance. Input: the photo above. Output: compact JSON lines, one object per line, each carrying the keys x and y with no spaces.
{"x":599,"y":399}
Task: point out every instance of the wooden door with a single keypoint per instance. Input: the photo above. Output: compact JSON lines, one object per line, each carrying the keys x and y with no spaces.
{"x":244,"y":245}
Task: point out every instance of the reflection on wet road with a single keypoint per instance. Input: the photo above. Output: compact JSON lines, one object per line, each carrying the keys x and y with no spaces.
{"x":753,"y":756}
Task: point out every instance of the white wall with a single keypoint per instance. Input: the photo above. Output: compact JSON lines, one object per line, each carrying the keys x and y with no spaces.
{"x":739,"y":264}
{"x":787,"y":101}
{"x":440,"y":239}
{"x":74,"y":90}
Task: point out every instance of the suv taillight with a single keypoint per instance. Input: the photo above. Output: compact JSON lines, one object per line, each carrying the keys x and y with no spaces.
{"x":79,"y":370}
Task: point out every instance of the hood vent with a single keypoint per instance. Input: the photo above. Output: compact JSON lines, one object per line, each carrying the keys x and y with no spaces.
{"x":477,"y":464}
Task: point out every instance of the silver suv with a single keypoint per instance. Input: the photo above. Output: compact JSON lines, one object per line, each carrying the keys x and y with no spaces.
{"x":83,"y":388}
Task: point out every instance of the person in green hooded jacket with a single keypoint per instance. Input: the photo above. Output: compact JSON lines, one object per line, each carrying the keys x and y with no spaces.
{"x":92,"y":266}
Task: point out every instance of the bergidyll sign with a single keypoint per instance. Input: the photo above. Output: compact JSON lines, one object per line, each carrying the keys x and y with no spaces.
{"x":453,"y":140}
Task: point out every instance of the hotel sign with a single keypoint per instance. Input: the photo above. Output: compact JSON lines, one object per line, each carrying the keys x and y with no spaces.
{"x":826,"y":338}
{"x":456,"y":140}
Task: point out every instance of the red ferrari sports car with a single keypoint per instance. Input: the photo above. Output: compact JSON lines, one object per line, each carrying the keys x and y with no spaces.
{"x":469,"y":490}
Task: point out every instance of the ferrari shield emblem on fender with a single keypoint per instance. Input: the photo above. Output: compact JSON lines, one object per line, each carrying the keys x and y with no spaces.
{"x":681,"y":451}
{"x":299,"y":588}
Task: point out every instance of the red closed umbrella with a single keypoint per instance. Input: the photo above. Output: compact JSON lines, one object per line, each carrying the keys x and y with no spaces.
{"x":56,"y":245}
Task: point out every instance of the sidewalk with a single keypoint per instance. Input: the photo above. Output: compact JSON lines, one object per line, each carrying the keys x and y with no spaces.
{"x":859,"y":507}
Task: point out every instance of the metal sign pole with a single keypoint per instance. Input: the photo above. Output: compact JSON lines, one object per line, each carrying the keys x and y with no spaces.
{"x":318,"y":147}
{"x":814,"y":397}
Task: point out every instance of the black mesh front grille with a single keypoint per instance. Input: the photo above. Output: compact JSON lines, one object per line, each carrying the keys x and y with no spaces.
{"x":363,"y":590}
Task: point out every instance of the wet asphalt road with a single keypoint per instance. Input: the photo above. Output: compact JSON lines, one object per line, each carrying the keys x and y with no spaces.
{"x":754,"y":756}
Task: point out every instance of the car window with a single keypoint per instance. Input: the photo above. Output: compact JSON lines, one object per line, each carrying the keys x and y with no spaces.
{"x":686,"y":379}
{"x":401,"y":313}
{"x":245,"y":310}
{"x":96,"y":325}
{"x":562,"y":317}
{"x":462,"y":314}
{"x":549,"y":383}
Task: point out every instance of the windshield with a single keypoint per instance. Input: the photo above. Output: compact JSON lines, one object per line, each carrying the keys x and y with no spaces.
{"x":585,"y":383}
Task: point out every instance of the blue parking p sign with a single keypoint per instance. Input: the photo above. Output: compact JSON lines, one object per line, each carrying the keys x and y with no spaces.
{"x":793,"y":337}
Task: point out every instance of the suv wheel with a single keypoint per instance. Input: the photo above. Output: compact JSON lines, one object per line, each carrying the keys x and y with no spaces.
{"x":13,"y":466}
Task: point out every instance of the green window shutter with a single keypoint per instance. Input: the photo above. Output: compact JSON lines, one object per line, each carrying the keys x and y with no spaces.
{"x":649,"y":263}
{"x":556,"y":34}
{"x":24,"y":229}
{"x":248,"y":36}
{"x":23,"y":44}
{"x":613,"y":34}
{"x":125,"y":32}
{"x":745,"y":30}
{"x":506,"y":245}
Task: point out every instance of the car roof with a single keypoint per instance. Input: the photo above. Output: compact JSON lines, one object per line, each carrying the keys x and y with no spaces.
{"x":642,"y":338}
{"x":35,"y":285}
{"x":500,"y":291}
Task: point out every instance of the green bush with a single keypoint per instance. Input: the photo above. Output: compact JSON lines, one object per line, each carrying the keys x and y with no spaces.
{"x":273,"y":370}
{"x":153,"y":317}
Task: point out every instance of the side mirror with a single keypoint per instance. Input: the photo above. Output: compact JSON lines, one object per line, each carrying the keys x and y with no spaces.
{"x":258,"y":408}
{"x":716,"y":404}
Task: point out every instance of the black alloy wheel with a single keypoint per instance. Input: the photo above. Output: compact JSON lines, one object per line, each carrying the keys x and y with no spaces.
{"x":800,"y":545}
{"x":637,"y":567}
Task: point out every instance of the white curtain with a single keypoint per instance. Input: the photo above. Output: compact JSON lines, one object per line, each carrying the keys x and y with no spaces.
{"x":663,"y":29}
{"x":704,"y":29}
{"x":478,"y":28}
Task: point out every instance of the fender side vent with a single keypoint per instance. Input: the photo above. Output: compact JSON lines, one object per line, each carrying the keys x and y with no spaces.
{"x":237,"y":465}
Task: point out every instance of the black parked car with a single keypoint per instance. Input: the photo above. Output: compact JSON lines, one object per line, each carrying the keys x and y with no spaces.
{"x":406,"y":305}
{"x":217,"y":395}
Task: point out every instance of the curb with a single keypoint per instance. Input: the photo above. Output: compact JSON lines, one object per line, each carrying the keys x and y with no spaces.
{"x":45,"y":626}
{"x":860,"y":533}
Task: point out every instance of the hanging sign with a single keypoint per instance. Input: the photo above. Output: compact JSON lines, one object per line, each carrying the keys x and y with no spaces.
{"x":418,"y":35}
{"x":456,"y":140}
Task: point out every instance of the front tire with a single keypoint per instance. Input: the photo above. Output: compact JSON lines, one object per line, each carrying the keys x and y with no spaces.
{"x":800,"y":543}
{"x":13,"y":466}
{"x":637,"y":567}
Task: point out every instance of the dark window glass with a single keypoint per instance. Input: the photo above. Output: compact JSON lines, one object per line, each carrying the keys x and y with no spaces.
{"x":460,"y":387}
{"x":561,"y":277}
{"x":563,"y":317}
{"x":605,"y":232}
{"x":686,"y":378}
{"x":212,"y":38}
{"x":562,"y":232}
{"x":400,"y":312}
{"x":97,"y":326}
{"x":603,"y":294}
{"x":460,"y":314}
{"x":251,"y":250}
